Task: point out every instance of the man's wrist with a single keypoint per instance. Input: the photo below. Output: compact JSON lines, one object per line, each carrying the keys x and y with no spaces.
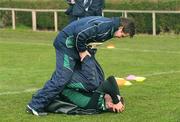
{"x":119,"y":97}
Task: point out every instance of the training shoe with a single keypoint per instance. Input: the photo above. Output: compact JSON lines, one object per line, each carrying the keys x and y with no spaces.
{"x":34,"y":112}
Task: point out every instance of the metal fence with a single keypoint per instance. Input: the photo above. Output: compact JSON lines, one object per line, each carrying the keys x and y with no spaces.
{"x":55,"y":11}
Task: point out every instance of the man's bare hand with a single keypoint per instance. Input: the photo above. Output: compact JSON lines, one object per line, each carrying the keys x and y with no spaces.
{"x":84,"y":54}
{"x":119,"y":107}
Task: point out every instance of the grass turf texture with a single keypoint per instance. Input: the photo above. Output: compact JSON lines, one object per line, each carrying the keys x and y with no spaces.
{"x":27,"y":60}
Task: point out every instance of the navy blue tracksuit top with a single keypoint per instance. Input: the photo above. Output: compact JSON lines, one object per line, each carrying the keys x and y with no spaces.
{"x":87,"y":30}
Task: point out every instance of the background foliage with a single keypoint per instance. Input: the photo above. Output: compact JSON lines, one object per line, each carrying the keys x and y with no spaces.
{"x":165,"y":22}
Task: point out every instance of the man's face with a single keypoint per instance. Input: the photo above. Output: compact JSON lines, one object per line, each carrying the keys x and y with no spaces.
{"x":119,"y":33}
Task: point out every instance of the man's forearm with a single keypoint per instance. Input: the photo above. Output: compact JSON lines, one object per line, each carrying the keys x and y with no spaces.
{"x":110,"y":87}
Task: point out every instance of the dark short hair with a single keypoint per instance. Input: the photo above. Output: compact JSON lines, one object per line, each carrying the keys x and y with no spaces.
{"x":128,"y":26}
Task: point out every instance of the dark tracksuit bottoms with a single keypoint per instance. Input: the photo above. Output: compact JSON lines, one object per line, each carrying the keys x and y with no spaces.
{"x":53,"y":86}
{"x":65,"y":63}
{"x":88,"y":75}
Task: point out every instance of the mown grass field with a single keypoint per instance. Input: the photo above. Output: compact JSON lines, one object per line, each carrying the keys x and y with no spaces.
{"x":27,"y":60}
{"x":106,"y":0}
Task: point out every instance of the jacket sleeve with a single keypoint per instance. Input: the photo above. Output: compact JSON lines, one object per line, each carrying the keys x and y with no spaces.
{"x":110,"y":87}
{"x":83,"y":34}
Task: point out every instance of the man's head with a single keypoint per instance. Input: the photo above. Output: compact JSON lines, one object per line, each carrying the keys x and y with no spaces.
{"x":127,"y":28}
{"x":119,"y":107}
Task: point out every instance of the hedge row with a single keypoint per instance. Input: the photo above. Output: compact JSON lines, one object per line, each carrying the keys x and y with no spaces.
{"x":165,"y":22}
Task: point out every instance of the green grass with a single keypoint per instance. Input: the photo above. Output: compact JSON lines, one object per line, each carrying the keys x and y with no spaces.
{"x":27,"y":60}
{"x":106,"y":0}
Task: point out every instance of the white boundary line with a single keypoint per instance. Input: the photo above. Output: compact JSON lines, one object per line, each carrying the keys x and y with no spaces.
{"x":27,"y":43}
{"x":144,"y":51}
{"x":35,"y":89}
{"x":29,"y":71}
{"x":161,"y":73}
{"x":18,"y":92}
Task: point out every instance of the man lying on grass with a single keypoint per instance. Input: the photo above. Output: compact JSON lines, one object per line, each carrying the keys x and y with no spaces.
{"x":87,"y":92}
{"x":105,"y":99}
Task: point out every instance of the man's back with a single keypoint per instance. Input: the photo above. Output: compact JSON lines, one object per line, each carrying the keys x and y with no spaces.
{"x":84,"y":22}
{"x":87,"y":30}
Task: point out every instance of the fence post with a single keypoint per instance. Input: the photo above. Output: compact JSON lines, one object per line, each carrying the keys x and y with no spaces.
{"x":102,"y":13}
{"x":13,"y":20}
{"x":34,"y":26}
{"x":125,"y":14}
{"x":55,"y":21}
{"x":154,"y":23}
